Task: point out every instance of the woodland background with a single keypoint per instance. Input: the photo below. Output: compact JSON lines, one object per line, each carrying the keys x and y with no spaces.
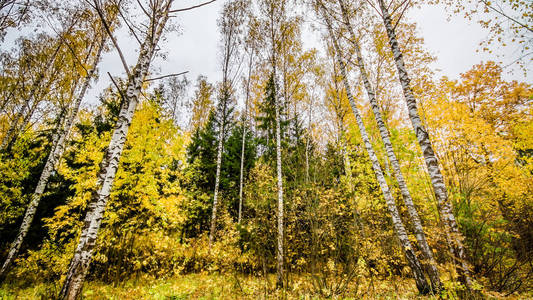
{"x":298,"y":174}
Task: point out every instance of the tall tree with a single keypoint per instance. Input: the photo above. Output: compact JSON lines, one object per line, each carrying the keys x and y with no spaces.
{"x":230,"y":27}
{"x":432,"y":164}
{"x":385,"y":136}
{"x":274,"y":18}
{"x":58,"y":145}
{"x":250,"y":50}
{"x":399,"y":228}
{"x":158,"y":14}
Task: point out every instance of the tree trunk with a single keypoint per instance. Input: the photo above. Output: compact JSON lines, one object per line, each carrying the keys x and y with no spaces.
{"x":280,"y":238}
{"x":244,"y":124}
{"x":412,"y":260}
{"x":280,"y":254}
{"x":437,"y":180}
{"x":79,"y":265}
{"x":58,"y":144}
{"x":408,"y":200}
{"x":217,"y":184}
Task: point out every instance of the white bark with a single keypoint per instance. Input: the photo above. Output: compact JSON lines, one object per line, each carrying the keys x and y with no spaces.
{"x":244,"y":127}
{"x":399,"y":228}
{"x":82,"y":257}
{"x":229,"y":28}
{"x":217,"y":183}
{"x":437,"y":180}
{"x":58,"y":145}
{"x":280,"y":254}
{"x":408,"y":200}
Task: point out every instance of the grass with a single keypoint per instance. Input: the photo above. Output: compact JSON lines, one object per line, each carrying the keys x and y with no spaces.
{"x":220,"y":286}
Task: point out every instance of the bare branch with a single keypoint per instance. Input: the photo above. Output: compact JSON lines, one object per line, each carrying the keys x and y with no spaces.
{"x":108,"y":30}
{"x":116,"y":85}
{"x":401,"y":15}
{"x":192,"y":7}
{"x":165,"y":76}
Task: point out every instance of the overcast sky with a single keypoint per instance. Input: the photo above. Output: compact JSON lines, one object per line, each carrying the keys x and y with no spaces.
{"x":194,"y":48}
{"x":453,"y":42}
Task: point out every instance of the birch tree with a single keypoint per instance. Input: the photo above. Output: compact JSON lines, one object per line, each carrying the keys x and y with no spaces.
{"x":401,"y":233}
{"x":385,"y":136}
{"x":432,"y":164}
{"x":58,"y":146}
{"x":230,"y":27}
{"x":158,"y":13}
{"x":274,"y":15}
{"x":250,"y":50}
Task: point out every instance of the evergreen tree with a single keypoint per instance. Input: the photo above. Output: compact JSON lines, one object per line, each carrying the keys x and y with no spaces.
{"x":232,"y":163}
{"x":201,"y":154}
{"x":267,"y":123}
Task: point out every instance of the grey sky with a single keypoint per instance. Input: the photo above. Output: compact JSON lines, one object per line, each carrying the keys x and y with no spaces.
{"x":194,"y":49}
{"x":453,"y":42}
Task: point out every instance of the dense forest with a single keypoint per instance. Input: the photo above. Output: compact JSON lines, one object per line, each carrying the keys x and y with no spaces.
{"x":347,"y":167}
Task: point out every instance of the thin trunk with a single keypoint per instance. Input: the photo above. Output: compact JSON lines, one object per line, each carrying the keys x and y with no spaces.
{"x":245,"y":118}
{"x":280,"y":197}
{"x":79,"y":265}
{"x":408,"y":200}
{"x":437,"y":180}
{"x":56,"y":152}
{"x":412,"y":260}
{"x":229,"y":44}
{"x":217,"y":183}
{"x":14,"y":128}
{"x":223,"y":120}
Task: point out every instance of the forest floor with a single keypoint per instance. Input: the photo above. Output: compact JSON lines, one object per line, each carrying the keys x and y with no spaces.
{"x":225,"y":286}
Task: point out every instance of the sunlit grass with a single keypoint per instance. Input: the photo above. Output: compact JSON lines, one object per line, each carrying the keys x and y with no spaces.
{"x":217,"y":286}
{"x":228,"y":286}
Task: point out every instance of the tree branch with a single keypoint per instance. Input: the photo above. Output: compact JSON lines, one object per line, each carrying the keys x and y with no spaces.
{"x":192,"y":7}
{"x":165,"y":76}
{"x":108,"y":30}
{"x":118,"y":88}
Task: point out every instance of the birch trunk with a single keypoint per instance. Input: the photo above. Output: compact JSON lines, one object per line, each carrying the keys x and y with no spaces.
{"x":229,"y":26}
{"x":58,"y":145}
{"x":245,"y":119}
{"x":408,"y":200}
{"x":437,"y":180}
{"x":399,"y":228}
{"x":79,"y":265}
{"x":280,"y":238}
{"x":14,"y":128}
{"x":217,"y":184}
{"x":280,"y":254}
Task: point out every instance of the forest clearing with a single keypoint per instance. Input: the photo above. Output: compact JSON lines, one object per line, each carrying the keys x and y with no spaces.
{"x":318,"y":152}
